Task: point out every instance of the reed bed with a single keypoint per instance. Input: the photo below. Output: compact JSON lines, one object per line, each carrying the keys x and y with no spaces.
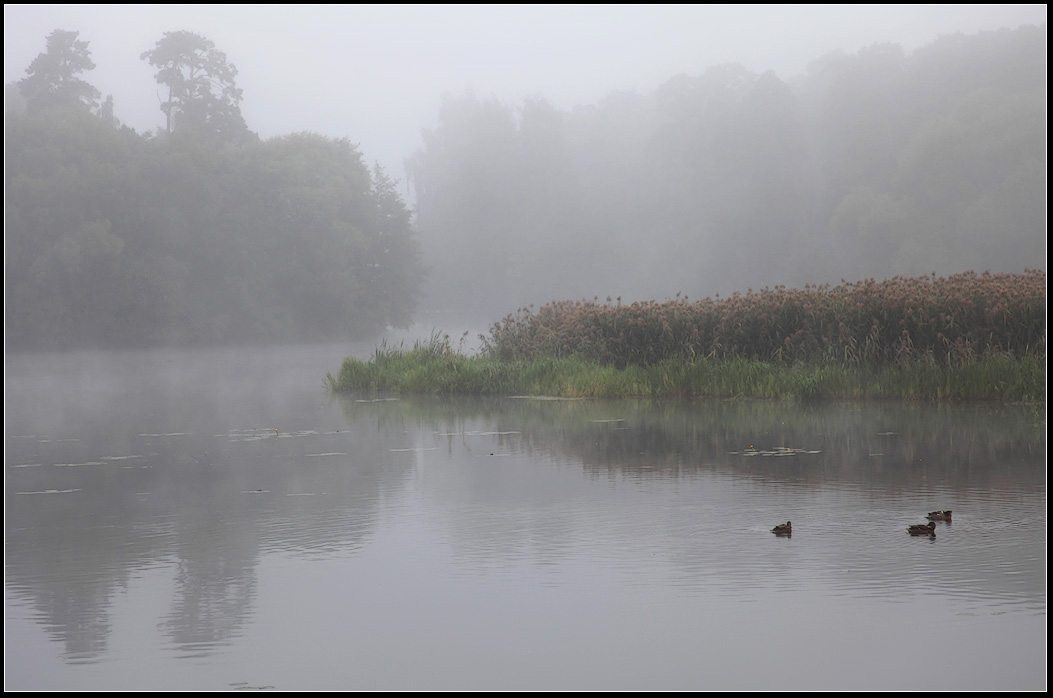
{"x":968,"y":336}
{"x":950,"y":320}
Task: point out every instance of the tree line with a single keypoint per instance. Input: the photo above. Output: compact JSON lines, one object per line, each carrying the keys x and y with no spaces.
{"x":201,"y":232}
{"x":872,"y":165}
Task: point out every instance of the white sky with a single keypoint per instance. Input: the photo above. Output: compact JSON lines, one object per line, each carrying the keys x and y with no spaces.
{"x":376,"y":73}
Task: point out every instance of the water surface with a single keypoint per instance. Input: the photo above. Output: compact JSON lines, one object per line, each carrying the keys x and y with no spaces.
{"x":213,"y":520}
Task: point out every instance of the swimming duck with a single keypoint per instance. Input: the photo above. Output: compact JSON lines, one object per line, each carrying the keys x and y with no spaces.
{"x":782,"y":529}
{"x":939,"y":515}
{"x":928,"y":529}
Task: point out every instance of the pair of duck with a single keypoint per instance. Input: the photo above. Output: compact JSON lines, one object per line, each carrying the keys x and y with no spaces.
{"x":928,"y":529}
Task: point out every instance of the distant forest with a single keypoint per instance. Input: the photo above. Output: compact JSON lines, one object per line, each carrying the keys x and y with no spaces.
{"x":872,"y":165}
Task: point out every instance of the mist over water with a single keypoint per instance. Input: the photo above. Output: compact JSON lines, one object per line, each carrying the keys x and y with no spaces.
{"x":214,"y":520}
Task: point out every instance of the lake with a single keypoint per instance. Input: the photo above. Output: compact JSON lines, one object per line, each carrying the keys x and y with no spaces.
{"x":214,"y":520}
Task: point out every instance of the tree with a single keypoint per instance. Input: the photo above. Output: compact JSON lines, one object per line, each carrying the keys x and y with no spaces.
{"x":202,"y":95}
{"x":52,"y":78}
{"x":395,"y":272}
{"x":466,"y":185}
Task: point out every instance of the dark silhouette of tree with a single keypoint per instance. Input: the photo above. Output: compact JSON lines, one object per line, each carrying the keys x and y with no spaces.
{"x":202,"y":95}
{"x":52,"y":79}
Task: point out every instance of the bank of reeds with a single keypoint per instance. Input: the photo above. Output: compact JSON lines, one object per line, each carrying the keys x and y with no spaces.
{"x":950,"y":320}
{"x":969,"y":336}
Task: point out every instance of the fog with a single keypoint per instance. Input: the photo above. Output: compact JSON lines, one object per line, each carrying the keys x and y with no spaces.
{"x":526,"y":154}
{"x":376,"y":74}
{"x":208,"y":207}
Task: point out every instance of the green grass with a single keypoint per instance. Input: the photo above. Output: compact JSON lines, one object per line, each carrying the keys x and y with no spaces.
{"x":431,"y":367}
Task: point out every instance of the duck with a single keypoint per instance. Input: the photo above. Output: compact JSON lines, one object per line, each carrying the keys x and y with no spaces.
{"x":928,"y":529}
{"x":782,"y":529}
{"x":939,"y":515}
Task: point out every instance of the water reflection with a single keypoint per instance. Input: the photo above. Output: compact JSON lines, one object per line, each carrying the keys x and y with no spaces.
{"x":222,"y":490}
{"x":861,"y":475}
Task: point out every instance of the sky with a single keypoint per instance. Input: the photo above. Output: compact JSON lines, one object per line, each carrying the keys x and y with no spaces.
{"x":376,"y":74}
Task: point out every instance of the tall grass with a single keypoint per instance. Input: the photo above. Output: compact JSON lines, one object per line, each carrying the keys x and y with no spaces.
{"x":418,"y":372}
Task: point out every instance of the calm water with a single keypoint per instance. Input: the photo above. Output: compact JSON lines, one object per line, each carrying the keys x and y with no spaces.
{"x":214,"y":521}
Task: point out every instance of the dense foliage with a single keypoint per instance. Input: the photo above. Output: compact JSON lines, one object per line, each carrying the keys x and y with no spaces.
{"x":203,"y":234}
{"x":876,"y":164}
